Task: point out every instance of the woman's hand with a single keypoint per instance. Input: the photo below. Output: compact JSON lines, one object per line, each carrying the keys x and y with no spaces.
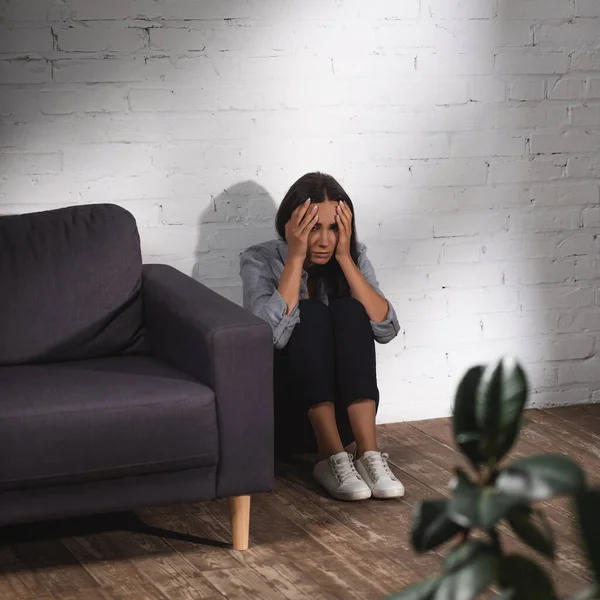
{"x":303,"y":219}
{"x":343,"y":218}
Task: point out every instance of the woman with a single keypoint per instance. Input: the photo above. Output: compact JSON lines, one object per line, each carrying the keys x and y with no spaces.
{"x":317,"y":289}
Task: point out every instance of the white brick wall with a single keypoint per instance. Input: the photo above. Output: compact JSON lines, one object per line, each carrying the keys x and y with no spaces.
{"x":466,"y":131}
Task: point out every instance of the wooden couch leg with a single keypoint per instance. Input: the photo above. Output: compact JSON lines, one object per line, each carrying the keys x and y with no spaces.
{"x":239,"y":511}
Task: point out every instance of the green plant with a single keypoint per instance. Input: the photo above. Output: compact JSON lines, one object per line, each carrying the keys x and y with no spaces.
{"x":486,"y":422}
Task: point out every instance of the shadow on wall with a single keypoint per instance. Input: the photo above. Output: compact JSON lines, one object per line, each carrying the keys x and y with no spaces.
{"x":242,"y":215}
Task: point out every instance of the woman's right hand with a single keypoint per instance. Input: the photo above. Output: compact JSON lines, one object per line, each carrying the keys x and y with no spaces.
{"x":303,"y":219}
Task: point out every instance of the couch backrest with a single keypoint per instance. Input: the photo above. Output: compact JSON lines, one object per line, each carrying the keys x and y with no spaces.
{"x":70,"y":285}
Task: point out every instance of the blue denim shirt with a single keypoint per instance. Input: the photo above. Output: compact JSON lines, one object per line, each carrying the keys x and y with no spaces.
{"x":261,"y":267}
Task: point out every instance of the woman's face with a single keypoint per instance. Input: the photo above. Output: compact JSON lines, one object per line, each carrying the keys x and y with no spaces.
{"x":323,"y":238}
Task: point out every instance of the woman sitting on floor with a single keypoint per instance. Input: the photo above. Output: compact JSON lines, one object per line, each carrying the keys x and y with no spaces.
{"x":317,"y":289}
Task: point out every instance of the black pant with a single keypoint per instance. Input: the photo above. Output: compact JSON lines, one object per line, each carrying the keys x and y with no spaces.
{"x":329,"y":358}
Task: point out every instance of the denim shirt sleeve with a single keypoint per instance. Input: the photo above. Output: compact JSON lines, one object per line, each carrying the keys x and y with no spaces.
{"x":260,"y":296}
{"x":386,"y":330}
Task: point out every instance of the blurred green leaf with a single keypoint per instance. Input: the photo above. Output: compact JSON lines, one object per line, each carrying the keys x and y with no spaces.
{"x":541,"y":540}
{"x":541,"y":477}
{"x":525,"y":579}
{"x":423,"y":590}
{"x":464,"y":504}
{"x":463,"y":553}
{"x":472,"y":576}
{"x":588,"y":503}
{"x":488,"y":401}
{"x":495,"y":506}
{"x":466,"y":433}
{"x":468,"y":438}
{"x":500,"y":399}
{"x":592,"y":593}
{"x":432,"y":525}
{"x":474,"y":506}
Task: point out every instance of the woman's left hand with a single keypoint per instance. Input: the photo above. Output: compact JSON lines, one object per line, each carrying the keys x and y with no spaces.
{"x":343,"y":218}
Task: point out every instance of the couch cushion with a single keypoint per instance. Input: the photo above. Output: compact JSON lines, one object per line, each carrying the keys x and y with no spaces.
{"x":102,"y":418}
{"x":70,"y":283}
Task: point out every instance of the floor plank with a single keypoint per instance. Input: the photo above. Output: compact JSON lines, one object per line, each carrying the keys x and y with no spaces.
{"x":52,"y":569}
{"x":304,"y":545}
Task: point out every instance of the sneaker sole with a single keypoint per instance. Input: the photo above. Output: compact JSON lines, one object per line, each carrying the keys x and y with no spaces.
{"x":388,"y":495}
{"x":353,"y":497}
{"x":348,"y":496}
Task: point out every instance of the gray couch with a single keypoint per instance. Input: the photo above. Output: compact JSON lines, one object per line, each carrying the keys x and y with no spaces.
{"x":123,"y":385}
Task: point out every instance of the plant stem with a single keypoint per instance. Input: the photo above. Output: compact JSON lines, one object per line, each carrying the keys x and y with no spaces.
{"x":488,"y":472}
{"x":495,"y":538}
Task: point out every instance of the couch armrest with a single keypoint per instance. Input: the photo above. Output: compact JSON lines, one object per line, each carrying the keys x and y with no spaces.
{"x":229,"y":350}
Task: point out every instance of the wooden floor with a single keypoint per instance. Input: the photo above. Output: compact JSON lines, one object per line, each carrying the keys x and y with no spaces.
{"x":303,"y":546}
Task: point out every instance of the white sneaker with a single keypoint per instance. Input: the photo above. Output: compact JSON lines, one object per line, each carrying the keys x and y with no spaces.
{"x":338,"y":476}
{"x":375,"y":471}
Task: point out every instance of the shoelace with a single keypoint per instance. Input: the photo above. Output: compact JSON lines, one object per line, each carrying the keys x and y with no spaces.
{"x":344,"y":469}
{"x":377,"y":466}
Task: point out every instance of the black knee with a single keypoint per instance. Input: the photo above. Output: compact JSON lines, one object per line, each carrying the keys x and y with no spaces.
{"x":315,"y":322}
{"x":312,"y":342}
{"x":313,"y":309}
{"x":349,"y":317}
{"x":348,"y":308}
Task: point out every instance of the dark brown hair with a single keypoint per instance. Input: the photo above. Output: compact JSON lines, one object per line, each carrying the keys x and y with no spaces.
{"x":320,"y":187}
